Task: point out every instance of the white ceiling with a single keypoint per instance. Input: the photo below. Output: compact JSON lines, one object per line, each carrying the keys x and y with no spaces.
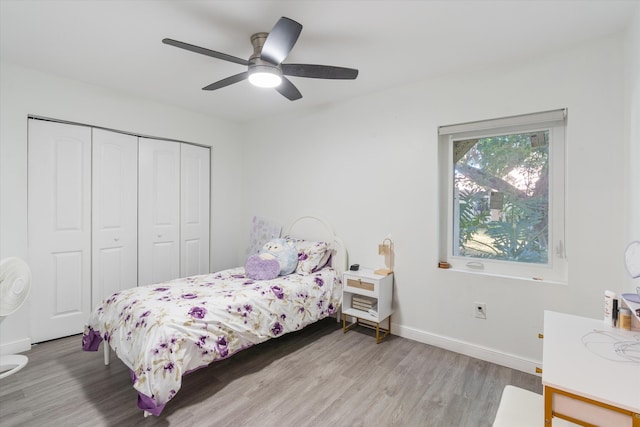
{"x":117,"y":44}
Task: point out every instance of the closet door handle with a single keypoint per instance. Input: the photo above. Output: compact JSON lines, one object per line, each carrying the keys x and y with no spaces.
{"x":116,"y":239}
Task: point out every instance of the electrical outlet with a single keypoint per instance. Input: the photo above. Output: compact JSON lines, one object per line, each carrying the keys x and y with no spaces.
{"x":480,"y":309}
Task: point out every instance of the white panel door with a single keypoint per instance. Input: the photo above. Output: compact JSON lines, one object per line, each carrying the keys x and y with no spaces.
{"x":158,"y":211}
{"x":194,"y":208}
{"x":114,"y":249}
{"x":59,"y":228}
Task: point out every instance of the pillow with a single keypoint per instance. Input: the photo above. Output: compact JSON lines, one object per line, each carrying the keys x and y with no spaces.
{"x":257,"y":268}
{"x":312,"y":256}
{"x":284,"y":252}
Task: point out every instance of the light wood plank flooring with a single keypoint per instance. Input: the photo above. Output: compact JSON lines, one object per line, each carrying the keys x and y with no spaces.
{"x":318,"y":376}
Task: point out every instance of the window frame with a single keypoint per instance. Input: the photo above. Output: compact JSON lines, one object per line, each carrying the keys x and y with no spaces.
{"x":555,"y":270}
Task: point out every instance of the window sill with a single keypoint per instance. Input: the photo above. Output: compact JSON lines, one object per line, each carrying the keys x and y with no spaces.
{"x":506,"y":276}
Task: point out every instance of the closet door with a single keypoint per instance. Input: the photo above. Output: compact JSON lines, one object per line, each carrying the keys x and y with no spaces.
{"x":158,"y":211}
{"x":194,"y":207}
{"x":59,"y":228}
{"x":114,"y":249}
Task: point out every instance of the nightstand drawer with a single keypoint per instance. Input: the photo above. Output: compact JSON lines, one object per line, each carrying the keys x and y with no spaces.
{"x":360,"y":284}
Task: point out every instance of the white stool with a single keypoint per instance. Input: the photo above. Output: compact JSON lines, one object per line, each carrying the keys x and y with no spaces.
{"x":523,"y":408}
{"x":12,"y":364}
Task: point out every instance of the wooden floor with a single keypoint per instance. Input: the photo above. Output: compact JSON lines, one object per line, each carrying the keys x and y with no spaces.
{"x":318,"y":376}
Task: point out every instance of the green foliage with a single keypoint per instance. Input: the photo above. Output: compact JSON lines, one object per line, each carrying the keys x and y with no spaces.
{"x":473,"y":214}
{"x":521,"y":237}
{"x":520,"y":233}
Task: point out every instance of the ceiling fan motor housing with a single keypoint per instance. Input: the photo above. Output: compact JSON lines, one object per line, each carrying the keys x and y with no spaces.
{"x":262,"y":72}
{"x":265,"y":67}
{"x":257,"y":41}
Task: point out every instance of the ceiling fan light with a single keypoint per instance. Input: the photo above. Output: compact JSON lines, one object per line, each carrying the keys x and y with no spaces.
{"x":265,"y":76}
{"x":265,"y":79}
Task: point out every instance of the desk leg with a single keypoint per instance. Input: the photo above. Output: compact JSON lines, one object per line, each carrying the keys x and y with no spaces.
{"x":549,"y":411}
{"x":548,"y":407}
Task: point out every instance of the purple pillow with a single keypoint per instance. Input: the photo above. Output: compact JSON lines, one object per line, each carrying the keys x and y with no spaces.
{"x":257,"y":268}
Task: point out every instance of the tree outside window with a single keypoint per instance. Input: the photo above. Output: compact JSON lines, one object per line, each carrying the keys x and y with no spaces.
{"x":501,"y":197}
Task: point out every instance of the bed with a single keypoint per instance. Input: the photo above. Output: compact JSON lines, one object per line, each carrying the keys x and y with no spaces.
{"x":164,"y":331}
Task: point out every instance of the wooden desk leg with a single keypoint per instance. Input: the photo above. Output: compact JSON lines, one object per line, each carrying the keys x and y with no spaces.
{"x":548,"y":407}
{"x":549,"y":411}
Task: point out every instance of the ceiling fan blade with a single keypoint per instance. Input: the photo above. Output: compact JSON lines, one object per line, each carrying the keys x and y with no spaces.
{"x":280,"y":40}
{"x":288,"y":90}
{"x":319,"y":71}
{"x":228,"y":81}
{"x":204,"y":51}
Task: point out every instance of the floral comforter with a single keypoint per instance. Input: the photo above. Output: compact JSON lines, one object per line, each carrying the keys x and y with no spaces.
{"x":164,"y":331}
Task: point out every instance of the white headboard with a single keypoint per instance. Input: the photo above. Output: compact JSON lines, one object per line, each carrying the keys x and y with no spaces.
{"x":317,"y":229}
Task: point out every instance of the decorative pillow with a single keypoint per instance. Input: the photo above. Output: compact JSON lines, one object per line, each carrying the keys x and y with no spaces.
{"x":312,"y":256}
{"x":257,"y":268}
{"x":284,"y":252}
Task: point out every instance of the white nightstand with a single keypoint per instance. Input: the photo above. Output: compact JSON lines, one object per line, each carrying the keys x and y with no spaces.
{"x":361,"y":290}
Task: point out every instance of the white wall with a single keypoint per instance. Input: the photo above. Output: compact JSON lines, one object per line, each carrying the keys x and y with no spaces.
{"x":632,"y":127}
{"x":370,"y":167}
{"x":24,"y":92}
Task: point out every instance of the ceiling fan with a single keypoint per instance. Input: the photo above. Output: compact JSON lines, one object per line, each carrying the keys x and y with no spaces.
{"x":265,"y":67}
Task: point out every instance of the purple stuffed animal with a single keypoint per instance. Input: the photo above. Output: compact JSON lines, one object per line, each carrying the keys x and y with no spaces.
{"x":258,"y":268}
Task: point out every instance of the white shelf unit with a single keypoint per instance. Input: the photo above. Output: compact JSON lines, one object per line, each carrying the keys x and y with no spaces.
{"x":366,"y":283}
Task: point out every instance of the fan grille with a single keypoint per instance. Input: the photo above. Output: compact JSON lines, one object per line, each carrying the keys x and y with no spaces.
{"x":15,"y":283}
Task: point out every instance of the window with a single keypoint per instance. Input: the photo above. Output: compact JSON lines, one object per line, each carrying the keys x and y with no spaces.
{"x":502,"y":196}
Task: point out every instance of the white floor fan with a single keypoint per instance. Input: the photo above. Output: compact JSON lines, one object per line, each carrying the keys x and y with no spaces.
{"x":15,"y":282}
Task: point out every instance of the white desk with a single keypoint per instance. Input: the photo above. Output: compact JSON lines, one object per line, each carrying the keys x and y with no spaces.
{"x":584,"y":380}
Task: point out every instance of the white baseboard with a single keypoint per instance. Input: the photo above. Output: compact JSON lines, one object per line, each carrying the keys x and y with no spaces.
{"x":473,"y":350}
{"x":15,"y":346}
